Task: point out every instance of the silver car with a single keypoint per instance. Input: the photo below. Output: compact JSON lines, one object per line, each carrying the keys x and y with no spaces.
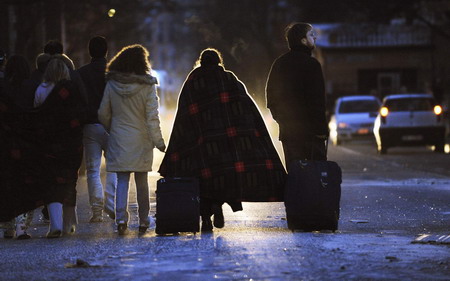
{"x":353,"y":118}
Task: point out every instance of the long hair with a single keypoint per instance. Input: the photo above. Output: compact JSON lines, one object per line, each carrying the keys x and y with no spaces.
{"x":295,"y":32}
{"x":17,"y":69}
{"x":56,"y":70}
{"x":131,"y":59}
{"x":209,"y":56}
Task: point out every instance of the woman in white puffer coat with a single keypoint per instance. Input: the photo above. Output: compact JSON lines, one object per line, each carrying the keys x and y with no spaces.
{"x":129,"y":111}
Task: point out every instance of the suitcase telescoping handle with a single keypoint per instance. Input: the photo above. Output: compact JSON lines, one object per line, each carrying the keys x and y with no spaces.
{"x":304,"y":162}
{"x":326,"y":149}
{"x":323,"y":174}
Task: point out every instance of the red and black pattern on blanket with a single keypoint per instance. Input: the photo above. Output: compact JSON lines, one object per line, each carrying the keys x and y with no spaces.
{"x":220,"y":137}
{"x":41,"y":151}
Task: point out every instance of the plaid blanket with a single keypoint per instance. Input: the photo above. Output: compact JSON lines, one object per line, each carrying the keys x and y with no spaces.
{"x":220,"y":137}
{"x":41,"y":151}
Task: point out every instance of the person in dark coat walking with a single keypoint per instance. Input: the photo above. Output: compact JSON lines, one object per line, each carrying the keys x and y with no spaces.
{"x":295,"y":95}
{"x":2,"y":71}
{"x":220,"y":137}
{"x":95,"y":137}
{"x":41,"y":154}
{"x":17,"y":74}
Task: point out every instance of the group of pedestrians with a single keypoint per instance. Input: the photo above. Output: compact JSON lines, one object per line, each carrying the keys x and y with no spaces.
{"x":48,"y":118}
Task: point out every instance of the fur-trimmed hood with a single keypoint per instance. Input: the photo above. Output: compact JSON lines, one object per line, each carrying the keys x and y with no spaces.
{"x":129,"y":84}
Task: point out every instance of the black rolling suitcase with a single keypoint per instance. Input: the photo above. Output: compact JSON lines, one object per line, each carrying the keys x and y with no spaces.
{"x":177,"y":205}
{"x":312,"y":195}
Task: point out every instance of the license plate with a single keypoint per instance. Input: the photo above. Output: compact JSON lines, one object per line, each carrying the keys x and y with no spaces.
{"x":363,"y":131}
{"x":412,"y":138}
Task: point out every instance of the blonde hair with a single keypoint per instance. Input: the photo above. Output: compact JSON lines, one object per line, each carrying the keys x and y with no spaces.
{"x":56,"y":70}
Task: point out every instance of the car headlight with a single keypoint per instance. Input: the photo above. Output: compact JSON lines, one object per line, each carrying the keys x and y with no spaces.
{"x":437,"y":109}
{"x":384,"y":111}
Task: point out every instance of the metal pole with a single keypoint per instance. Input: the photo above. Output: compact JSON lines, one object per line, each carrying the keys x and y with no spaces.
{"x":12,"y":29}
{"x":63,"y":24}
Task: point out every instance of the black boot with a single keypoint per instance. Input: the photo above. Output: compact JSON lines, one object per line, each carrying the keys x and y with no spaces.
{"x":206,"y":224}
{"x":219,"y":220}
{"x":122,"y":228}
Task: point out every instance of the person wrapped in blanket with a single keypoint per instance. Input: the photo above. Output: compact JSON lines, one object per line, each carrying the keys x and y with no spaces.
{"x":219,"y":136}
{"x":41,"y":151}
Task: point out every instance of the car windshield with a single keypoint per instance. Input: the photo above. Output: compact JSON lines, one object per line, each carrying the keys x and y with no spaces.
{"x":410,"y":104}
{"x":357,"y":106}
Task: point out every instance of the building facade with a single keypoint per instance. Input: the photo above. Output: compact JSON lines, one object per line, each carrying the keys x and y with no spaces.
{"x":376,"y":59}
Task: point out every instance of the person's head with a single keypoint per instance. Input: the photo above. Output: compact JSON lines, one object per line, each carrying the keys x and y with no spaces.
{"x":98,"y":48}
{"x":131,"y":59}
{"x":300,"y":33}
{"x":17,"y":69}
{"x":42,"y":61}
{"x":53,"y":47}
{"x":209,"y":56}
{"x":56,"y":70}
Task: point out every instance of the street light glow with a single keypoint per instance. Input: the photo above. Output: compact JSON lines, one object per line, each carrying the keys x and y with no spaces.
{"x":111,"y":13}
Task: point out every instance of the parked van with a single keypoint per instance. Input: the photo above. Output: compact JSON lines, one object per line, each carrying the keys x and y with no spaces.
{"x":409,"y":120}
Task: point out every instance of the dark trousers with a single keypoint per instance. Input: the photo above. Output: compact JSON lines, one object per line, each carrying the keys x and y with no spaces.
{"x":304,"y":150}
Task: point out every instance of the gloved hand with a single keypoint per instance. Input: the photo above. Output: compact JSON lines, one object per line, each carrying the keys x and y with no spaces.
{"x":161,"y":148}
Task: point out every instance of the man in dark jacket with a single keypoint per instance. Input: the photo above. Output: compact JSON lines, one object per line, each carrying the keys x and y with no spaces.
{"x":295,"y":95}
{"x":95,"y":137}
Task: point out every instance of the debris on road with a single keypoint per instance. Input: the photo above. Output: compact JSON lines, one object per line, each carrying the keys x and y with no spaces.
{"x":432,"y":239}
{"x":359,"y":221}
{"x":80,"y":264}
{"x":391,"y":258}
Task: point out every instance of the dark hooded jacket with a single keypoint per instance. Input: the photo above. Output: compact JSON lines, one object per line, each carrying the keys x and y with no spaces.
{"x":296,"y":95}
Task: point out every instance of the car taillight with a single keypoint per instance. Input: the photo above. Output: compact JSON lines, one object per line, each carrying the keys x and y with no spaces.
{"x":342,"y":125}
{"x":437,"y":109}
{"x":384,"y":111}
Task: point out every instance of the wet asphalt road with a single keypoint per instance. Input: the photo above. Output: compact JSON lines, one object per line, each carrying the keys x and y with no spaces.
{"x":387,"y":202}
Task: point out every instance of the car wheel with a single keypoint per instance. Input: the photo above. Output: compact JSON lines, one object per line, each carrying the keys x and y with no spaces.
{"x":439,"y":147}
{"x":382,"y":149}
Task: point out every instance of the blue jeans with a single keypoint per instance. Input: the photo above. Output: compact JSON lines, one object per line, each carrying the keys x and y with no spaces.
{"x":95,"y":141}
{"x":123,"y":179}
